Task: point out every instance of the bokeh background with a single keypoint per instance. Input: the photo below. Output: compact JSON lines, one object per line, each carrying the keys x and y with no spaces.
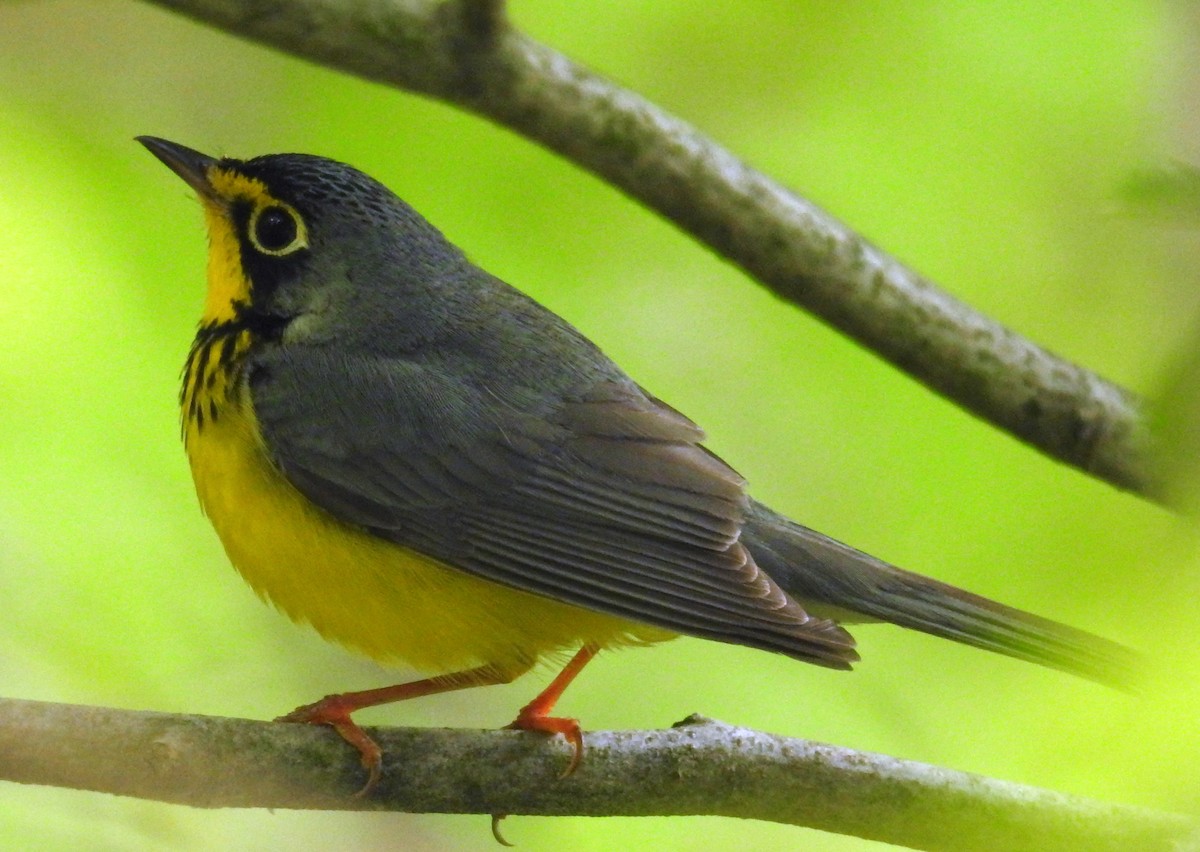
{"x":988,"y":145}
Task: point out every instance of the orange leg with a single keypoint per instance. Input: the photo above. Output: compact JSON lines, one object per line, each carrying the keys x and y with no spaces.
{"x":535,"y":716}
{"x":335,"y":710}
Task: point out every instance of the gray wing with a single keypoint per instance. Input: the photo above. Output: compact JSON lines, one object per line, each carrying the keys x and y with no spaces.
{"x":604,"y":500}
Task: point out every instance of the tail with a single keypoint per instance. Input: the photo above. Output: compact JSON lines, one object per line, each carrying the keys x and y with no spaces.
{"x":840,"y":582}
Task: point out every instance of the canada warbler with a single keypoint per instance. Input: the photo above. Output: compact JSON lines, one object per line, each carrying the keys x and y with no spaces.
{"x":427,"y":466}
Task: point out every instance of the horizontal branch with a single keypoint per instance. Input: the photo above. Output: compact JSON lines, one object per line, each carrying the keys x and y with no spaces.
{"x":466,"y":53}
{"x":697,"y":767}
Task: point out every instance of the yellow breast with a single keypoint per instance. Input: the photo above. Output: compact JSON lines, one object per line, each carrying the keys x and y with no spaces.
{"x":355,"y":588}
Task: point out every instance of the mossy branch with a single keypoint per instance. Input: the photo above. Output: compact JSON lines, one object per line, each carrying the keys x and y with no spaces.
{"x":697,"y":767}
{"x":467,"y":53}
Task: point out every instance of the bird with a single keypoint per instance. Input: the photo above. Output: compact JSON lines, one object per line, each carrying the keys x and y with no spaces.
{"x":428,"y":467}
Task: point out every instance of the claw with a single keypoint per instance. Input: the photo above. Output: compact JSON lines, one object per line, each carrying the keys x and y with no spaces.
{"x":496,"y":818}
{"x":332,"y":710}
{"x":569,"y":728}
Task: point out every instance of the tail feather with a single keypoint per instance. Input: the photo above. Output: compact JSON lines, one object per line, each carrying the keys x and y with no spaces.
{"x":831,"y":578}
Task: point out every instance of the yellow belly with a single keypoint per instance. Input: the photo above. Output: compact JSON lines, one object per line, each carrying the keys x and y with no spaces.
{"x":376,"y":597}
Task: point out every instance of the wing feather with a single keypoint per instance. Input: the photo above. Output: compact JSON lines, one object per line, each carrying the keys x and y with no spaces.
{"x":603,"y":499}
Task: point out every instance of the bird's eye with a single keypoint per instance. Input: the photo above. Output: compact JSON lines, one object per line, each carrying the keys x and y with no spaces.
{"x":277,"y":230}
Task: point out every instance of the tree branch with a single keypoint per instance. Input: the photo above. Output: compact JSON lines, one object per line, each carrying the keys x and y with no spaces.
{"x":465,"y":52}
{"x":698,"y":767}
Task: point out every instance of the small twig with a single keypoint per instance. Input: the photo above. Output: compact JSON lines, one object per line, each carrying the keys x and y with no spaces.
{"x":698,"y":767}
{"x":466,"y":53}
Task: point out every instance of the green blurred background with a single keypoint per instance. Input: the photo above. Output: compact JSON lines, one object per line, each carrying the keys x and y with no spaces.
{"x":985,"y":144}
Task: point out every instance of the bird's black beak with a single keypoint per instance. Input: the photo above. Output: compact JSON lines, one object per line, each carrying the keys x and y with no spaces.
{"x":190,"y":165}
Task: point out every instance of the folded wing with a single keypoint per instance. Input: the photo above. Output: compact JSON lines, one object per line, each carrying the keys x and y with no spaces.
{"x":602,"y":499}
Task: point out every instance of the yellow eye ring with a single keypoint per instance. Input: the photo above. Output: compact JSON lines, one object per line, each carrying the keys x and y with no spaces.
{"x":276,"y":229}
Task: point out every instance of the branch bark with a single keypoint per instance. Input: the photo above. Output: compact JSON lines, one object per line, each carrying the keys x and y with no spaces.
{"x":697,"y":767}
{"x":465,"y":52}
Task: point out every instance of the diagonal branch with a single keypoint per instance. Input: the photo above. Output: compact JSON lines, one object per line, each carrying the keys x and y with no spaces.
{"x":697,"y":767}
{"x":465,"y":52}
